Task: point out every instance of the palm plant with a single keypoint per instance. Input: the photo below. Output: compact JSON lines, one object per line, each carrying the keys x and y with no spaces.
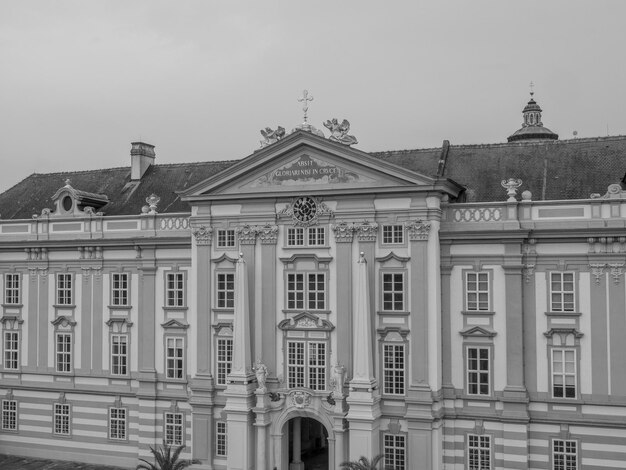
{"x":364,"y":464}
{"x":165,"y":459}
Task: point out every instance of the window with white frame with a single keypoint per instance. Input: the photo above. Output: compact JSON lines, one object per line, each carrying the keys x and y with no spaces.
{"x":564,"y":454}
{"x":306,"y":364}
{"x":394,"y":448}
{"x":478,"y":371}
{"x":173,"y":429}
{"x":120,"y":290}
{"x":393,"y":292}
{"x":9,"y":415}
{"x":63,"y":352}
{"x":175,"y":289}
{"x":64,"y":289}
{"x":393,"y":368}
{"x":225,"y":290}
{"x":119,"y":354}
{"x":221,"y":436}
{"x":563,"y":373}
{"x":174,"y":358}
{"x":478,"y":452}
{"x":393,"y":234}
{"x":306,"y":291}
{"x":562,"y":292}
{"x":11,"y":350}
{"x":226,"y":238}
{"x":117,"y":423}
{"x":224,"y":359}
{"x":62,"y":420}
{"x":477,"y":291}
{"x":309,"y":236}
{"x":12,"y":288}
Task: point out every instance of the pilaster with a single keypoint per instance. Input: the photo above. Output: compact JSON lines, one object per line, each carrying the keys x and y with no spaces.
{"x":265,"y":321}
{"x":344,"y":235}
{"x":147,"y":323}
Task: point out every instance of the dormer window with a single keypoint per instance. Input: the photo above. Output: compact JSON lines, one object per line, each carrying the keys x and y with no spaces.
{"x":73,"y":202}
{"x":67,"y":203}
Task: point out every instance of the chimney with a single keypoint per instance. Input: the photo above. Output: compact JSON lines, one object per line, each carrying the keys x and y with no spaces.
{"x":141,"y":157}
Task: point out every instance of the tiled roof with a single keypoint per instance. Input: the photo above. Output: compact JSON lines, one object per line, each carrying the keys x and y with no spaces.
{"x":562,"y":169}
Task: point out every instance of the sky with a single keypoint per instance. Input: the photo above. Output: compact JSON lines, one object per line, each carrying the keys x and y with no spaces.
{"x":82,"y":79}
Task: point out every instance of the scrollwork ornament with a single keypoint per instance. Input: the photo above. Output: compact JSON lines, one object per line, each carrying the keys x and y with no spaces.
{"x":597,"y":271}
{"x":418,"y":230}
{"x":616,"y":271}
{"x":529,"y":271}
{"x":203,"y":235}
{"x":300,"y":398}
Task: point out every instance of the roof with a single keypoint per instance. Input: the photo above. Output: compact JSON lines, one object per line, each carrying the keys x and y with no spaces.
{"x":551,"y":170}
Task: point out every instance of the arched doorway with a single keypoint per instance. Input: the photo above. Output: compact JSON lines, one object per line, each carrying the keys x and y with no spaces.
{"x":308,"y":444}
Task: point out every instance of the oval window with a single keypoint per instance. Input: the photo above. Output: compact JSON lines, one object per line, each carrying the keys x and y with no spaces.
{"x":67,"y":203}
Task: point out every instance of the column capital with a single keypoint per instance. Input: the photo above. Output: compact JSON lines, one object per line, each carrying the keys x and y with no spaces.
{"x":203,"y":235}
{"x":366,"y":231}
{"x":344,"y":232}
{"x":268,"y":234}
{"x":418,"y":230}
{"x":246,"y":235}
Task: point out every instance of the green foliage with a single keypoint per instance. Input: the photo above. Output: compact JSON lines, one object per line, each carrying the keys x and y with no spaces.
{"x":165,"y":459}
{"x":364,"y":464}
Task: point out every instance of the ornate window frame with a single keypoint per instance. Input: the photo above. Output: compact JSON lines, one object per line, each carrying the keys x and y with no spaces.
{"x":10,"y":418}
{"x":306,"y":264}
{"x":563,"y":340}
{"x":118,"y":407}
{"x":171,"y":424}
{"x":175,"y":331}
{"x":64,"y":326}
{"x":393,"y":265}
{"x":119,"y":327}
{"x":394,"y":336}
{"x":11,"y":291}
{"x":179,"y":293}
{"x":466,"y":273}
{"x":11,"y":325}
{"x":223,"y":333}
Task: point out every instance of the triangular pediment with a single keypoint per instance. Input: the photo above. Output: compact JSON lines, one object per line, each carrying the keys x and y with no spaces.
{"x":306,"y":162}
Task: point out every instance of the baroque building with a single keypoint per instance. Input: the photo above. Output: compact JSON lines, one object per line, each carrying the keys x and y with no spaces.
{"x":454,"y":308}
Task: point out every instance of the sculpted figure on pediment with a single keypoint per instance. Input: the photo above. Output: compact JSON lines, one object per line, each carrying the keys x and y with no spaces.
{"x":339,"y":132}
{"x":271,"y":136}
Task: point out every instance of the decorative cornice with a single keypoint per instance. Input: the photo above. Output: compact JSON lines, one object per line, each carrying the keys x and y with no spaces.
{"x":10,"y":321}
{"x":392,"y":255}
{"x":367,"y":231}
{"x":344,"y":232}
{"x":268,"y":234}
{"x":203,"y":235}
{"x":175,"y":324}
{"x":246,"y":235}
{"x":477,"y":331}
{"x":563,"y":332}
{"x":418,"y":230}
{"x":63,"y":321}
{"x":306,"y":321}
{"x":218,"y":327}
{"x":383,"y":332}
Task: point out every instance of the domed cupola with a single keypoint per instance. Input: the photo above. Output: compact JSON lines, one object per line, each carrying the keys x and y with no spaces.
{"x":532,"y":127}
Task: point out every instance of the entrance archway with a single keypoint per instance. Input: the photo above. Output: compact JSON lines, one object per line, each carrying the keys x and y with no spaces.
{"x":308,"y":444}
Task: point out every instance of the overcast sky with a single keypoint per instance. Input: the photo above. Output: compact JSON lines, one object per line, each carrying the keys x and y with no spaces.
{"x":80,"y":80}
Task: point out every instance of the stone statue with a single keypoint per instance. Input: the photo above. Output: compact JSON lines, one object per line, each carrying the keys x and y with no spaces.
{"x":261,"y":375}
{"x":339,"y":132}
{"x":339,"y":378}
{"x":270,"y":136}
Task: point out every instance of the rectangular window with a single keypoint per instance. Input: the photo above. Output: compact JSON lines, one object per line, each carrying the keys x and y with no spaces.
{"x":317,"y":236}
{"x":226,"y":238}
{"x":173,"y":429}
{"x":9,"y":415}
{"x":174,"y":358}
{"x":221,"y":443}
{"x":175,"y":289}
{"x":117,"y":423}
{"x":478,"y":371}
{"x":316,"y":290}
{"x":564,"y":454}
{"x":393,"y":369}
{"x":64,"y":289}
{"x":306,"y":365}
{"x":224,"y":359}
{"x":393,"y":234}
{"x":393,"y":292}
{"x":562,"y":292}
{"x":119,"y":289}
{"x":62,"y":419}
{"x":478,"y":452}
{"x":563,"y":373}
{"x":477,"y":291}
{"x":11,"y":350}
{"x":394,"y":447}
{"x":64,"y":352}
{"x":295,"y":236}
{"x":12,"y":289}
{"x":295,"y":291}
{"x":119,"y":354}
{"x":225,"y":290}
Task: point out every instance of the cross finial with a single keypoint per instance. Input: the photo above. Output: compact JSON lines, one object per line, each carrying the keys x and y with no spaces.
{"x":532,"y":88}
{"x":305,"y":107}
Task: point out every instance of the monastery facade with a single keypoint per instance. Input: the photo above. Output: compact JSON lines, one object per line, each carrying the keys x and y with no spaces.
{"x":453,"y":308}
